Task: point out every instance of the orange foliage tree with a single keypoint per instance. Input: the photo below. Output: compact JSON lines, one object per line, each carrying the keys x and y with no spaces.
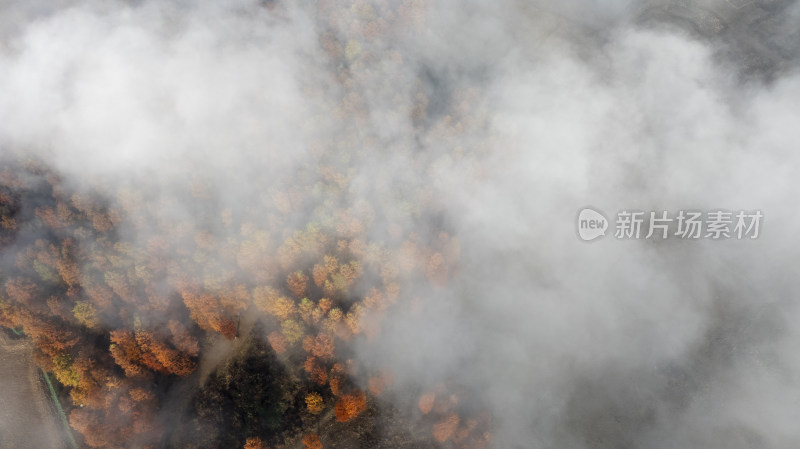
{"x":208,"y":313}
{"x":297,"y":283}
{"x":312,"y":441}
{"x":254,"y":443}
{"x":350,"y":405}
{"x":277,"y":341}
{"x":425,"y":403}
{"x":445,"y":428}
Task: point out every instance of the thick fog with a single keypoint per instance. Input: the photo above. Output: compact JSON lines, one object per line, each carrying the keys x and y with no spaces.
{"x":611,"y":344}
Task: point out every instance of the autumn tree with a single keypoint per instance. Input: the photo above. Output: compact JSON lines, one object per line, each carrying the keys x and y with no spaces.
{"x":254,"y":443}
{"x":314,"y":403}
{"x":23,"y":291}
{"x":312,"y":441}
{"x":159,"y":357}
{"x":67,"y":264}
{"x":306,"y":310}
{"x":49,"y":335}
{"x":86,"y":314}
{"x":425,"y":403}
{"x":269,"y":300}
{"x":297,"y":283}
{"x":292,"y":330}
{"x":436,"y":270}
{"x":277,"y":341}
{"x":378,"y":383}
{"x":322,"y":346}
{"x":446,"y":427}
{"x":99,"y":293}
{"x":126,"y":352}
{"x":317,"y":371}
{"x":320,"y":275}
{"x":350,"y":405}
{"x":90,"y":424}
{"x":206,"y":310}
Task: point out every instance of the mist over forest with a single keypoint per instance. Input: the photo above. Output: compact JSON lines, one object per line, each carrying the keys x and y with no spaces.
{"x":352,"y":224}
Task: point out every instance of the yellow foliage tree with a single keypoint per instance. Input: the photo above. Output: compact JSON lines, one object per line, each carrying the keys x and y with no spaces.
{"x":314,"y":403}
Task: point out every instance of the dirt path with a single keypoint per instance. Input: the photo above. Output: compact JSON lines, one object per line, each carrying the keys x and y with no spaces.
{"x":27,"y":417}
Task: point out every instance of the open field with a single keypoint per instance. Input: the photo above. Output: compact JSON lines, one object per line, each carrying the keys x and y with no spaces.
{"x":27,"y":418}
